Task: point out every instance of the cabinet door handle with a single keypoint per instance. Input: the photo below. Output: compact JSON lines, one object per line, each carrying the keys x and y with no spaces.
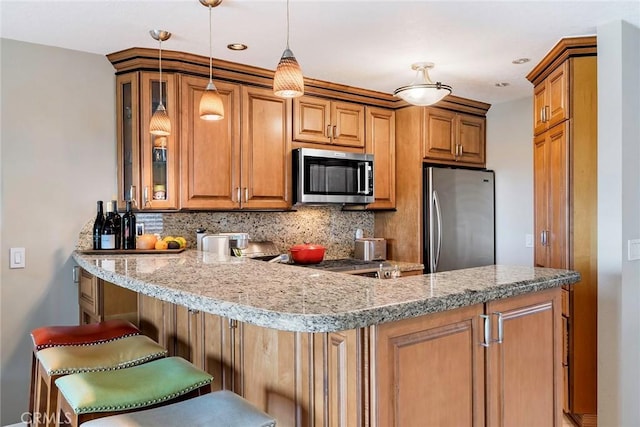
{"x":246,"y":194}
{"x":132,"y":196}
{"x":541,"y":114}
{"x":335,"y":132}
{"x":238,"y":196}
{"x":328,"y":133}
{"x":542,"y":238}
{"x":146,"y":200}
{"x":461,"y":150}
{"x":500,"y":327}
{"x":233,"y":323}
{"x":486,"y":340}
{"x":546,"y":113}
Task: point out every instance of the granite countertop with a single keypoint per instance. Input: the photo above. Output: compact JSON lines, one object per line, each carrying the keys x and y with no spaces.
{"x":291,"y":298}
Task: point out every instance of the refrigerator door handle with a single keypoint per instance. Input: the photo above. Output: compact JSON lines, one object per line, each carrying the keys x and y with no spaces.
{"x":436,"y":205}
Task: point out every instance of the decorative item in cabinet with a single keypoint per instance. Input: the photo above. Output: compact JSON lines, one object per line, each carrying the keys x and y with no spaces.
{"x":321,"y":121}
{"x":453,"y":137}
{"x":147,"y":164}
{"x":381,"y":142}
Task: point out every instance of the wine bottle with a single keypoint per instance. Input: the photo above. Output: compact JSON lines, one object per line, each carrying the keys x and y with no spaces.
{"x":108,"y":231}
{"x":97,"y":226}
{"x":128,"y":228}
{"x":117,"y":221}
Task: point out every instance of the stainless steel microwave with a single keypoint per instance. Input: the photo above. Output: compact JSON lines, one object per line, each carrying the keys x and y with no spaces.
{"x":326,"y":176}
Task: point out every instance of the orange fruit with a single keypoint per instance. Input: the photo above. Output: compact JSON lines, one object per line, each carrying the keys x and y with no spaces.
{"x":162,"y":245}
{"x":146,"y":241}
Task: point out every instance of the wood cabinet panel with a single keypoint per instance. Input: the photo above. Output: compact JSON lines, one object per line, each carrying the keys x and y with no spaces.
{"x":159,"y":155}
{"x":213,"y":344}
{"x":551,"y":100}
{"x":321,"y":121}
{"x":540,"y":198}
{"x":524,"y":373}
{"x":266,"y":150}
{"x":430,"y":370}
{"x":100,"y":300}
{"x":381,"y":142}
{"x":210,"y":163}
{"x":451,"y":137}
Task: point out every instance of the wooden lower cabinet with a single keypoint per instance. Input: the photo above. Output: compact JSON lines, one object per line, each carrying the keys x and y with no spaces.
{"x":434,"y":370}
{"x":493,"y":364}
{"x":100,"y":300}
{"x":429,"y":370}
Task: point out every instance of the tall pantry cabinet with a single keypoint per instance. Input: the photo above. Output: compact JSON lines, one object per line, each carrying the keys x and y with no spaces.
{"x":565,"y":200}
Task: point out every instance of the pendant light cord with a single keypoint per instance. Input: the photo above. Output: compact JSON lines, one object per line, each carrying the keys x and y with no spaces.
{"x":287,"y":24}
{"x":210,"y":49}
{"x":160,"y":56}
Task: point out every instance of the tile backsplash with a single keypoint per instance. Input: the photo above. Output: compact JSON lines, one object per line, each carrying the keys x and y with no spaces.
{"x":325,"y":225}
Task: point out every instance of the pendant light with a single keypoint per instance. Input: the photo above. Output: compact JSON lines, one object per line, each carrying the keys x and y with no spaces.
{"x":288,"y":81}
{"x":423,"y":91}
{"x":160,"y":123}
{"x":211,"y":107}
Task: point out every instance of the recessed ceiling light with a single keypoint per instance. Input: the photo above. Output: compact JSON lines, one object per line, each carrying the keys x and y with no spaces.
{"x":237,"y":46}
{"x":520,"y":61}
{"x":502,"y":84}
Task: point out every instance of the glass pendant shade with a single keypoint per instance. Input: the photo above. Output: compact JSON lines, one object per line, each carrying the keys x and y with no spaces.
{"x":288,"y":81}
{"x":211,"y":106}
{"x":423,"y":91}
{"x":160,"y":124}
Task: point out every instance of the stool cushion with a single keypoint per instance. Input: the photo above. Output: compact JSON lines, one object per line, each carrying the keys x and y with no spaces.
{"x":221,"y":409}
{"x":53,"y":336}
{"x":136,"y":387}
{"x":118,"y":354}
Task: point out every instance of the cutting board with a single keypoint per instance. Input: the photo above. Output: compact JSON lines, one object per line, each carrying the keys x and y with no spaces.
{"x":130,"y":251}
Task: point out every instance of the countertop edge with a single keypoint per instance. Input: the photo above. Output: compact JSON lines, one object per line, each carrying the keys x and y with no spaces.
{"x":329,"y":322}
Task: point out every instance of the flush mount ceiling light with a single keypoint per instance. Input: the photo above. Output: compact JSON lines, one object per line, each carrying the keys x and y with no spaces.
{"x":288,"y":81}
{"x":520,"y":61}
{"x":160,"y":123}
{"x":211,"y":107}
{"x":423,"y":91}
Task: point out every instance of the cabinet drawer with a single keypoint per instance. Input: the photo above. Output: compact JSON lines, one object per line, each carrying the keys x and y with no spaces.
{"x":88,"y":292}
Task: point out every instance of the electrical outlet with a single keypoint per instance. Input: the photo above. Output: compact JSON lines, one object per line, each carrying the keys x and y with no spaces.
{"x":528,"y":240}
{"x":633,"y":248}
{"x":17,"y":258}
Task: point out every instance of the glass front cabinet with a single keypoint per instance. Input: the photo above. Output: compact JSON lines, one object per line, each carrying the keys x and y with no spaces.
{"x":147,"y":164}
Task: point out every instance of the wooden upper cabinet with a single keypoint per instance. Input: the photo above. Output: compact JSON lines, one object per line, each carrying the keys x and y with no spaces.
{"x":550,"y":100}
{"x":381,"y":142}
{"x":451,"y":137}
{"x":440,"y":134}
{"x":159,"y":154}
{"x":320,"y":121}
{"x":210,"y":163}
{"x":266,"y":150}
{"x":551,"y":180}
{"x":147,"y":164}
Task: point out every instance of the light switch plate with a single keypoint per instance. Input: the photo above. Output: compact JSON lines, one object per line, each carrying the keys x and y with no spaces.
{"x":633,"y":249}
{"x":528,"y":240}
{"x":16,"y":258}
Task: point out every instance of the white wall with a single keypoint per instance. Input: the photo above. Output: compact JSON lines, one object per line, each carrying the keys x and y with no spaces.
{"x":510,"y":155}
{"x":618,"y":221}
{"x":58,"y":157}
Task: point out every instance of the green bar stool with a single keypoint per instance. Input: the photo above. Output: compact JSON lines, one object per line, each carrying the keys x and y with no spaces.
{"x":220,"y":408}
{"x":73,"y":335}
{"x":55,"y":362}
{"x":90,"y":395}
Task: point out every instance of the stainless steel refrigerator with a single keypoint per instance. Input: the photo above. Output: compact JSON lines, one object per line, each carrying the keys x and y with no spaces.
{"x":459,"y":224}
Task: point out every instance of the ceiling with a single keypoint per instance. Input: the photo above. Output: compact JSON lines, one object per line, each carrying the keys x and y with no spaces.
{"x":367,"y":44}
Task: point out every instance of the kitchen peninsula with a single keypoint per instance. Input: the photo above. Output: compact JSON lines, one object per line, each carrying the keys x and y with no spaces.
{"x":469,"y":347}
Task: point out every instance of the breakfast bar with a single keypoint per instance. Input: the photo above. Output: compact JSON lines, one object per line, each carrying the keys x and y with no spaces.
{"x":309,"y":347}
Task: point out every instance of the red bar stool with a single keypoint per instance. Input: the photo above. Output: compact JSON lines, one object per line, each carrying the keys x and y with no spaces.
{"x":55,"y":336}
